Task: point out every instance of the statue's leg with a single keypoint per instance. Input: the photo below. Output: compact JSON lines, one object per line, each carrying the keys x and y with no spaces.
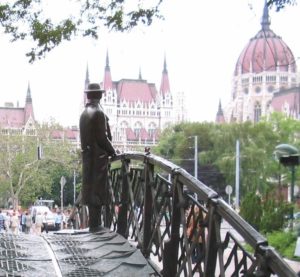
{"x":94,"y":218}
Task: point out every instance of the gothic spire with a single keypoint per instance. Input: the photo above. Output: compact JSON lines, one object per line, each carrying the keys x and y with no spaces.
{"x":28,"y":95}
{"x":220,"y":115}
{"x":28,"y":109}
{"x":107,"y":82}
{"x":107,"y":61}
{"x":165,"y":84}
{"x":165,"y":65}
{"x":87,"y":76}
{"x":265,"y":21}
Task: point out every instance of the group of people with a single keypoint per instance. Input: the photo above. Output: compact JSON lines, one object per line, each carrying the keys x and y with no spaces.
{"x":15,"y":222}
{"x":9,"y":222}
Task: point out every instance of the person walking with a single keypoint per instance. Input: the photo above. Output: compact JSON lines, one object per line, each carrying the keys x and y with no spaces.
{"x":7,"y":221}
{"x":2,"y":222}
{"x":14,"y":223}
{"x":194,"y":233}
{"x":28,"y":223}
{"x":45,"y":224}
{"x":38,"y":223}
{"x":22,"y":222}
{"x":58,"y":221}
{"x":96,"y":148}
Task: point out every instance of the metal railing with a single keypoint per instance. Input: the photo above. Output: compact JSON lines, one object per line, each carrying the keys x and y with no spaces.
{"x":169,"y":215}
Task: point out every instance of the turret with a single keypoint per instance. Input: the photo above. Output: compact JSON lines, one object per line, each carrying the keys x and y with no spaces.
{"x":165,"y":85}
{"x":107,"y":83}
{"x":28,"y":106}
{"x":220,"y":115}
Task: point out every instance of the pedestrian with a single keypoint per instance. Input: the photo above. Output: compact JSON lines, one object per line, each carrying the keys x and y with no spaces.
{"x":2,"y":222}
{"x":22,"y":222}
{"x":28,"y":222}
{"x":96,"y":148}
{"x":7,"y":221}
{"x":194,"y":233}
{"x":38,"y":223}
{"x":45,"y":224}
{"x":14,"y":223}
{"x":58,"y":220}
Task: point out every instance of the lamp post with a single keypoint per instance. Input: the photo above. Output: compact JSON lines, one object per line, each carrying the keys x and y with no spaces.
{"x":62,"y":184}
{"x":237,"y":175}
{"x":288,"y":156}
{"x":195,"y":156}
{"x":74,"y":186}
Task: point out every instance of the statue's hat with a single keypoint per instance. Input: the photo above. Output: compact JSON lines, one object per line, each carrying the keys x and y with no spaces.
{"x":94,"y":87}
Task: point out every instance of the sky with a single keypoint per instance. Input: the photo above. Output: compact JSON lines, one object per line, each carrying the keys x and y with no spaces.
{"x":201,"y":41}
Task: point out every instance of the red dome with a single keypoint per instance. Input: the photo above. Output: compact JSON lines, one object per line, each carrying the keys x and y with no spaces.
{"x":265,"y":52}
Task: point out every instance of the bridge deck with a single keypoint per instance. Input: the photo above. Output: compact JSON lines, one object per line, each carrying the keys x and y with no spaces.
{"x":104,"y":253}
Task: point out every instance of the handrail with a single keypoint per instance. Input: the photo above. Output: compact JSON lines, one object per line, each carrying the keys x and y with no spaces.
{"x":153,"y":202}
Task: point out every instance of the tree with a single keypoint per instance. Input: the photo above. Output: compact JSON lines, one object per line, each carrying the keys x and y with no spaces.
{"x":217,"y":153}
{"x":18,"y":163}
{"x":24,"y":19}
{"x":251,"y":209}
{"x":23,"y":176}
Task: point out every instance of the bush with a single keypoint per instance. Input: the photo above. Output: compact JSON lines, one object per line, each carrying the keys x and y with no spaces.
{"x":264,"y":214}
{"x":284,"y":243}
{"x":251,"y":209}
{"x":273,"y":215}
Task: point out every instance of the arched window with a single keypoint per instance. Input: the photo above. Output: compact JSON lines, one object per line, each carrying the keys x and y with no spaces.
{"x":123,"y":127}
{"x":151,"y":129}
{"x":257,"y":112}
{"x":137,"y":129}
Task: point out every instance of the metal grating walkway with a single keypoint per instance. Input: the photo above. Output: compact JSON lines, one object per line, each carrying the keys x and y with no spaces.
{"x":72,"y":254}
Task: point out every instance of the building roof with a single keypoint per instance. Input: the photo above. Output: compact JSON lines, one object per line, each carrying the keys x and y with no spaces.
{"x":136,"y":90}
{"x":265,"y":52}
{"x":12,"y":117}
{"x":290,"y":97}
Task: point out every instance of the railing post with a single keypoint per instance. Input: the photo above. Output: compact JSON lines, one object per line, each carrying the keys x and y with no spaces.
{"x":170,"y":255}
{"x":123,"y":206}
{"x":148,"y":203}
{"x":212,"y":243}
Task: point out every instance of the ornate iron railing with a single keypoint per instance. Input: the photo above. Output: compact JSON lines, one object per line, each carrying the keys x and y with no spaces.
{"x":169,"y":214}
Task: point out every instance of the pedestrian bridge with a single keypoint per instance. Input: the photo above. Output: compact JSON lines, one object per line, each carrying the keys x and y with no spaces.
{"x":152,"y":202}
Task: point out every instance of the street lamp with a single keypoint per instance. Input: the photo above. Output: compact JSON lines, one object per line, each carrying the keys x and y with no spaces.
{"x":74,"y":186}
{"x":62,"y":184}
{"x":288,"y":156}
{"x":195,"y":156}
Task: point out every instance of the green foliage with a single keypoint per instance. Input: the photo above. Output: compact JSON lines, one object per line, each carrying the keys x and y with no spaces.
{"x":265,"y":214}
{"x":259,"y":171}
{"x":24,"y":178}
{"x":23,"y":19}
{"x":274,"y":213}
{"x":251,"y":209}
{"x":283,"y":242}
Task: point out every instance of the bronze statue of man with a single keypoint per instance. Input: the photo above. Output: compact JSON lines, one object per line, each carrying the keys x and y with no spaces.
{"x":96,"y":147}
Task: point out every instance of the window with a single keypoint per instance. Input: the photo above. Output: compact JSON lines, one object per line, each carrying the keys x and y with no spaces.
{"x":257,"y":112}
{"x":137,"y":129}
{"x":270,"y":88}
{"x":151,"y":130}
{"x":245,"y":81}
{"x":257,"y":89}
{"x":271,"y":78}
{"x":283,"y":79}
{"x":257,"y":79}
